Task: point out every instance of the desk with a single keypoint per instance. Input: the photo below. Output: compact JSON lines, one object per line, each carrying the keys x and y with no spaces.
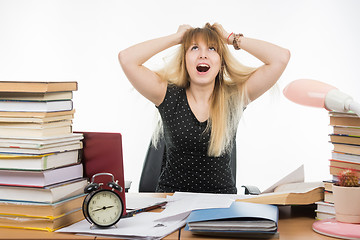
{"x":294,"y":224}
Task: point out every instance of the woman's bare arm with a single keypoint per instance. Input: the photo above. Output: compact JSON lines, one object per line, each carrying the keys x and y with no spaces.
{"x":275,"y":60}
{"x":145,"y":81}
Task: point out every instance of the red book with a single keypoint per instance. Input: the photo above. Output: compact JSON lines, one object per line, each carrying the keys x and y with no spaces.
{"x":102,"y":153}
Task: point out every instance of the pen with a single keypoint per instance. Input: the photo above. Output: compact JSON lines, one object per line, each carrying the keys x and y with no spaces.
{"x":136,"y":211}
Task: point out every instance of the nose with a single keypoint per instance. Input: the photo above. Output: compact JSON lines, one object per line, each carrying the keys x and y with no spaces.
{"x":203,"y":54}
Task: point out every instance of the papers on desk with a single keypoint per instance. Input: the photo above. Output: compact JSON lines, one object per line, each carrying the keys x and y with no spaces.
{"x":141,"y":226}
{"x":150,"y":225}
{"x":181,"y":204}
{"x":296,"y":176}
{"x":133,"y":201}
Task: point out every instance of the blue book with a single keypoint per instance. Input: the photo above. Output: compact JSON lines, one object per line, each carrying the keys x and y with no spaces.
{"x":241,"y":219}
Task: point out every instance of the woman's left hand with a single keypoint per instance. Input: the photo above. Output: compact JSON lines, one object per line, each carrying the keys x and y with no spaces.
{"x":223,"y":32}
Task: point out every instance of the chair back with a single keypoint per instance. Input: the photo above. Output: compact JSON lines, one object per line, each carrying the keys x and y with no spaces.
{"x":155,"y":160}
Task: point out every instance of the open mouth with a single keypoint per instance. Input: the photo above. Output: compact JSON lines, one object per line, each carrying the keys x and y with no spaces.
{"x":202,"y":67}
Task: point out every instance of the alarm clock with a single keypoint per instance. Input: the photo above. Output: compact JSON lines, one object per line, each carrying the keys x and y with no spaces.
{"x":102,"y":207}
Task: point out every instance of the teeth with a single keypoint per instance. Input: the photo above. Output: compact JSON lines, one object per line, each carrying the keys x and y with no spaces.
{"x":203,"y":65}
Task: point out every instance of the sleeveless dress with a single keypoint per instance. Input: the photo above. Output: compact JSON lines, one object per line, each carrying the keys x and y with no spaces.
{"x":187,"y":166}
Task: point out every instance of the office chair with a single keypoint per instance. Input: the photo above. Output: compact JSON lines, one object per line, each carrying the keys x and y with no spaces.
{"x":154,"y":161}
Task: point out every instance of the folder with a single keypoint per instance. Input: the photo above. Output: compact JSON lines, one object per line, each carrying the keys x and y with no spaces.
{"x":241,"y":219}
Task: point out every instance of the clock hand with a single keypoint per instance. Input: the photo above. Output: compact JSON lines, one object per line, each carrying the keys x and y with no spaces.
{"x":103,"y":208}
{"x":98,"y":209}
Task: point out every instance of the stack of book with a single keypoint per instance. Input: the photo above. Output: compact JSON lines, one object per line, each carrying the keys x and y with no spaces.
{"x":345,"y":138}
{"x":41,"y":174}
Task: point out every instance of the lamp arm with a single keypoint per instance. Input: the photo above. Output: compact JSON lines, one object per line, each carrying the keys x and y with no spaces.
{"x":355,"y":107}
{"x":341,"y":102}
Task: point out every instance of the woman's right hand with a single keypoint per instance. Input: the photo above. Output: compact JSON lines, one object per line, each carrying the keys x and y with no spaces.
{"x":182,"y":29}
{"x":145,"y":81}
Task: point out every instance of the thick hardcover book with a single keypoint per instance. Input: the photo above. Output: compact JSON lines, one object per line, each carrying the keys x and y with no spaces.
{"x":35,"y":106}
{"x":40,"y":210}
{"x":37,"y":87}
{"x":40,"y":178}
{"x":39,"y":120}
{"x":60,"y":147}
{"x":102,"y":153}
{"x":346,"y":130}
{"x":35,"y":133}
{"x":347,"y":148}
{"x":344,"y":164}
{"x":347,"y":120}
{"x":40,"y":115}
{"x":345,"y":139}
{"x":46,"y":96}
{"x":240,"y":219}
{"x":290,"y":190}
{"x":38,"y":162}
{"x":21,"y":142}
{"x":302,"y":193}
{"x":45,"y":224}
{"x":335,"y":171}
{"x":49,"y":194}
{"x":37,"y":125}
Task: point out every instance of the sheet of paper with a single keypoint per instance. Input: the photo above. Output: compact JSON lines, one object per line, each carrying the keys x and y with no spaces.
{"x":181,"y":204}
{"x":136,"y":201}
{"x":141,"y":226}
{"x":294,"y":177}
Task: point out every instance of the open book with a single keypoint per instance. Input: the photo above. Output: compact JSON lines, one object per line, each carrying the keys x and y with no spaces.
{"x":290,"y":190}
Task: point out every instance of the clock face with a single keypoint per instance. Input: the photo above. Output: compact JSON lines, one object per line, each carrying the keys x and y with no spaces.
{"x":103,"y":208}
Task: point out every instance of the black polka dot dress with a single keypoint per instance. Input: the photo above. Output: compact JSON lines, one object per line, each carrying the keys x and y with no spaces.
{"x":188,"y":168}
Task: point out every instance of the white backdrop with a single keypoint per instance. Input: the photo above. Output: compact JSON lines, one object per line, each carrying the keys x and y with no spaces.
{"x":78,"y":40}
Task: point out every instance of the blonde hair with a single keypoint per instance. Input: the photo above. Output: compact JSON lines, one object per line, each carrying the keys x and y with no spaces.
{"x":229,"y":97}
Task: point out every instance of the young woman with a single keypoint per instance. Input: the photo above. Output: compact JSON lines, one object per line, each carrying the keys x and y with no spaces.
{"x":200,"y":96}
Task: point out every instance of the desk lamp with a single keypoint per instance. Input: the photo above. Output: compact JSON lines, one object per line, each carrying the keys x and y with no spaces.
{"x":318,"y":94}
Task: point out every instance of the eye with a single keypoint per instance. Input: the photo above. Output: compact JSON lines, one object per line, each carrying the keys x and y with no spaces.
{"x":194,"y":47}
{"x":212,"y":48}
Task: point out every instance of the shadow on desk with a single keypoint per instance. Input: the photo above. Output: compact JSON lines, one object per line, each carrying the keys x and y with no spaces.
{"x":295,"y":211}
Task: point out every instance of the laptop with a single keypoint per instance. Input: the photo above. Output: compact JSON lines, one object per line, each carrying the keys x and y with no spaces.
{"x":102,"y":153}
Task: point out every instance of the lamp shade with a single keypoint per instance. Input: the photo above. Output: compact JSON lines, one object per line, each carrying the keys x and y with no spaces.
{"x":314,"y":93}
{"x":307,"y":92}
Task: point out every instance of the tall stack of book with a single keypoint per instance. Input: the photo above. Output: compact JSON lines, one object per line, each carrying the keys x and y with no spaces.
{"x":41,"y":174}
{"x":345,"y":138}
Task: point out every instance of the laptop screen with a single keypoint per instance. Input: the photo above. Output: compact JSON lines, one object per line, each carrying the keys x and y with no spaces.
{"x":102,"y":153}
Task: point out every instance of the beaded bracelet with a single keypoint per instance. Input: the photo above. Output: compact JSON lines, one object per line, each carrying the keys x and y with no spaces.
{"x":236,"y":40}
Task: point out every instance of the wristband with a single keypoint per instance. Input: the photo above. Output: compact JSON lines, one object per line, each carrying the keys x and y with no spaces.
{"x":227,"y":40}
{"x":236,"y":41}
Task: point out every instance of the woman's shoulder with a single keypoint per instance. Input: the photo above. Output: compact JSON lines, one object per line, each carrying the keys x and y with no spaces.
{"x":173,"y":94}
{"x":174,"y":90}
